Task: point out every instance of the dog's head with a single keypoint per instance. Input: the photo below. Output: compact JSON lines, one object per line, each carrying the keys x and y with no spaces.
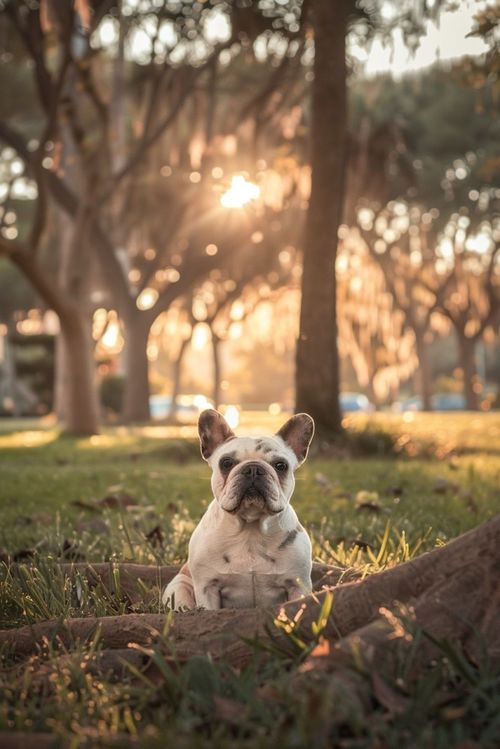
{"x":253,"y":477}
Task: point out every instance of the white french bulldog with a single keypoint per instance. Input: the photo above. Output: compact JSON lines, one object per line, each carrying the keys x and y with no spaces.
{"x":249,"y":548}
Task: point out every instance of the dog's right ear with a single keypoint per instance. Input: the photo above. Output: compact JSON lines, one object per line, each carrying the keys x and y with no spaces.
{"x":213,"y":430}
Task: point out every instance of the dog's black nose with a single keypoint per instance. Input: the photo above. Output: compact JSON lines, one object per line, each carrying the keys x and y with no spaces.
{"x":252,"y":470}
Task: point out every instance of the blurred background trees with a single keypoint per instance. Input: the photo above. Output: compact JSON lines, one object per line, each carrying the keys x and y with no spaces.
{"x":174,"y":174}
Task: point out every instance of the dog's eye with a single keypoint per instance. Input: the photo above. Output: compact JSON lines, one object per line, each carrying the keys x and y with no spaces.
{"x":225,"y":464}
{"x":281,"y":466}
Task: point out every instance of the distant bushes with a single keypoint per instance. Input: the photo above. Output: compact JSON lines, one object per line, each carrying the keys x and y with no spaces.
{"x":111,"y":392}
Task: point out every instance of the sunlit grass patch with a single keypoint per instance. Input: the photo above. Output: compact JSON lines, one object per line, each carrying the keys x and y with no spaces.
{"x":28,"y":438}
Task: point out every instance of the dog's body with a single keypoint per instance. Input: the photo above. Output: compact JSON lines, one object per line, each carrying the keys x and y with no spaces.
{"x":249,"y":548}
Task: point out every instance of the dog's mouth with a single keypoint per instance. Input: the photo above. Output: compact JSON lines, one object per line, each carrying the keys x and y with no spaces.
{"x":253,"y":499}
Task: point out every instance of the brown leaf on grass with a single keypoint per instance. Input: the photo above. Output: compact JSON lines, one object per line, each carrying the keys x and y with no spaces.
{"x":172,"y":507}
{"x":363,"y":545}
{"x":229,"y":710}
{"x":443,"y":486}
{"x":395,"y":703}
{"x":155,"y":537}
{"x":18,"y":556}
{"x":369,"y":507}
{"x":96,"y":525}
{"x":91,"y":507}
{"x":71,"y":551}
{"x":117,"y":500}
{"x":322,"y":649}
{"x":368,"y":501}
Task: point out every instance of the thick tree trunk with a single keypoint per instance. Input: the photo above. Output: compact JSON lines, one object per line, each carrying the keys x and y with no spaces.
{"x":176,"y":385}
{"x":136,"y":394}
{"x":78,"y":395}
{"x":467,"y":353}
{"x":217,"y":370}
{"x":424,"y":373}
{"x":317,"y":377}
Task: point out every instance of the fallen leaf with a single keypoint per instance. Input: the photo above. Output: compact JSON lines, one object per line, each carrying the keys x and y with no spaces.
{"x":321,"y":649}
{"x":117,"y":500}
{"x":172,"y":507}
{"x":369,"y":506}
{"x":86,"y":505}
{"x":394,"y":491}
{"x":443,"y":486}
{"x":23,"y":554}
{"x":96,"y":525}
{"x":363,"y":545}
{"x":70,"y":550}
{"x":155,"y":537}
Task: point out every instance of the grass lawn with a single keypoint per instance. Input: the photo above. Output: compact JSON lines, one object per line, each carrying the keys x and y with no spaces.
{"x":403,"y":485}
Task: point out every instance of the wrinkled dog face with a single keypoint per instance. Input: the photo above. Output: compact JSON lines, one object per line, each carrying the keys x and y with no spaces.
{"x":253,"y":477}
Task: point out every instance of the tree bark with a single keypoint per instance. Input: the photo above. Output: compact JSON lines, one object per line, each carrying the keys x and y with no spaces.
{"x":424,"y":374}
{"x":317,"y":375}
{"x":78,"y":393}
{"x":136,"y":393}
{"x":176,"y":385}
{"x":467,"y":353}
{"x":217,"y":370}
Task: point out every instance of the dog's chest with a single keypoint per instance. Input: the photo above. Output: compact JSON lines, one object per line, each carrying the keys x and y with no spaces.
{"x":250,"y":552}
{"x":244,"y":570}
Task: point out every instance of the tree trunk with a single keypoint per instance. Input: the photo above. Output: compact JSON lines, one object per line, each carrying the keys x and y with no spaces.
{"x":317,"y":376}
{"x":176,"y":385}
{"x":467,"y":353}
{"x":217,"y":374}
{"x":136,"y":394}
{"x":424,"y":374}
{"x":78,"y":392}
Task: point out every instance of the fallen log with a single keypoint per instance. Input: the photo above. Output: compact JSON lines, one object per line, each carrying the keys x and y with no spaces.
{"x":225,"y":633}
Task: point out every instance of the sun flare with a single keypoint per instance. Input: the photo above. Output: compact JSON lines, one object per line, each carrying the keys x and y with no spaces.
{"x":240,"y":193}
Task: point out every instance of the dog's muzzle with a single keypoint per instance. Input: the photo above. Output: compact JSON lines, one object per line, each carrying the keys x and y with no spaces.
{"x":253,"y":487}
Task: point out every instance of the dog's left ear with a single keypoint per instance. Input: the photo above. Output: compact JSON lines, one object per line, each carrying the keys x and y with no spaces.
{"x":213,"y":430}
{"x":298,"y":433}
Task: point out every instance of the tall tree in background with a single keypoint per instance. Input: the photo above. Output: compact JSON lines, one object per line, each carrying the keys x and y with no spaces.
{"x":317,"y":377}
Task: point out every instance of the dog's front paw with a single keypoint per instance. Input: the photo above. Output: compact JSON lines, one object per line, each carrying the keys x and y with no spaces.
{"x":179,"y":593}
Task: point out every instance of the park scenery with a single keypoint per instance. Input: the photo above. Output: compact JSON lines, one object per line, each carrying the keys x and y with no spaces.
{"x":217,"y":216}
